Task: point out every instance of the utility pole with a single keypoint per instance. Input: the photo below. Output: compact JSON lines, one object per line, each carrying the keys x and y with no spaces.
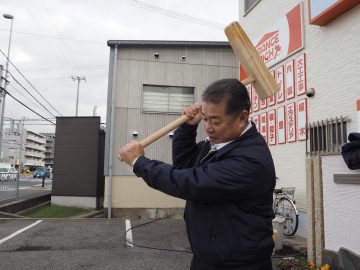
{"x":78,"y":78}
{"x":3,"y":91}
{"x":2,"y":102}
{"x":21,"y":145}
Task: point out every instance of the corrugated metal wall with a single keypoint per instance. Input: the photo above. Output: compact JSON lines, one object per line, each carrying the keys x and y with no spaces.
{"x":137,"y":66}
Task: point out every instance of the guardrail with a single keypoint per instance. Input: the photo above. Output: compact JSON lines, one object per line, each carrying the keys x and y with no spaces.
{"x":9,"y":186}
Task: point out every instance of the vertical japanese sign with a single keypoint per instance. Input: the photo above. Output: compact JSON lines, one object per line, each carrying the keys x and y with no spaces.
{"x":280,"y":82}
{"x":300,"y":73}
{"x":291,"y":122}
{"x":263,"y":125}
{"x":281,"y":125}
{"x":257,"y":122}
{"x":272,"y":127}
{"x":248,"y":88}
{"x":289,"y":80}
{"x":271,"y":99}
{"x":255,"y":100}
{"x":302,"y":119}
{"x":263,"y":103}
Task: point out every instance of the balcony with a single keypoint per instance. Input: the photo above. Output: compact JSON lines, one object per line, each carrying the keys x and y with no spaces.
{"x":35,"y":154}
{"x":34,"y":162}
{"x":35,"y":146}
{"x":31,"y":137}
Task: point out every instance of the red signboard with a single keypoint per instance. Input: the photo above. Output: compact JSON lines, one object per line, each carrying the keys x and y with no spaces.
{"x":255,"y":100}
{"x":302,"y":118}
{"x":300,"y":74}
{"x":280,"y":82}
{"x":272,"y":127}
{"x":281,"y":131}
{"x":289,"y":80}
{"x":272,"y":99}
{"x":263,"y":125}
{"x":291,"y":122}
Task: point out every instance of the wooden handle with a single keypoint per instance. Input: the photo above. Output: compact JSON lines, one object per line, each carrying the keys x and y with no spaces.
{"x":161,"y":132}
{"x":262,"y":80}
{"x":248,"y":79}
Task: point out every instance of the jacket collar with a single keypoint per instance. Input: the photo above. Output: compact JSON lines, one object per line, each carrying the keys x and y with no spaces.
{"x":249,"y":133}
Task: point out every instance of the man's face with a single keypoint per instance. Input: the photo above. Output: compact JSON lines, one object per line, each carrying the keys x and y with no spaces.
{"x":219,"y":126}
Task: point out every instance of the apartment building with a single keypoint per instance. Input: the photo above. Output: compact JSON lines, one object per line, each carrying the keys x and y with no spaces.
{"x":49,"y":149}
{"x":26,"y":149}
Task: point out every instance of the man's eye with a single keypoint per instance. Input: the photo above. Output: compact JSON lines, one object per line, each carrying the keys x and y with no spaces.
{"x":216,"y":123}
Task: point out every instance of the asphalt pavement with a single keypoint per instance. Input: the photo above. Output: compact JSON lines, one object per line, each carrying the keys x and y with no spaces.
{"x":98,"y":243}
{"x":91,"y":244}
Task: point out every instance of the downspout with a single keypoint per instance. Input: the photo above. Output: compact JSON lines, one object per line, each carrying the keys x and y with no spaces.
{"x":111,"y":145}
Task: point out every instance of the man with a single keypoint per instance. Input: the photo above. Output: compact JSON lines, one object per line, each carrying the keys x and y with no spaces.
{"x":228,"y":190}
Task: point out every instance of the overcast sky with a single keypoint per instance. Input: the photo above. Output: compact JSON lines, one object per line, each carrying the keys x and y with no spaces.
{"x":56,"y":39}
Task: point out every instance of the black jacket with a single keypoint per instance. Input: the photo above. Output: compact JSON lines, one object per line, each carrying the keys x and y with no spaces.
{"x":229,"y":194}
{"x":351,"y":151}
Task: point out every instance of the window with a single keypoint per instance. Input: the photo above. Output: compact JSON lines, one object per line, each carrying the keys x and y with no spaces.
{"x":166,"y":99}
{"x":326,"y":137}
{"x":249,"y":4}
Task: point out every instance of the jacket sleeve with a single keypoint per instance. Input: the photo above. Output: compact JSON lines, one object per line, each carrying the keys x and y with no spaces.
{"x":232,"y":179}
{"x":184,"y":147}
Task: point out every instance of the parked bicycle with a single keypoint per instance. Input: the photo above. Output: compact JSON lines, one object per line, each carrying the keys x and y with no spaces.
{"x":284,"y":205}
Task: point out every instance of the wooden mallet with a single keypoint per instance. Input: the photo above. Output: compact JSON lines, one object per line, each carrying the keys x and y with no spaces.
{"x":258,"y":74}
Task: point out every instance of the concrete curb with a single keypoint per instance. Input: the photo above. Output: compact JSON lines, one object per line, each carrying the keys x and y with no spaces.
{"x":24,"y":204}
{"x":9,"y":215}
{"x":89,"y":215}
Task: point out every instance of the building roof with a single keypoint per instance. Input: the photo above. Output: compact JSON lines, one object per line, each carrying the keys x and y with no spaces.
{"x":172,"y":43}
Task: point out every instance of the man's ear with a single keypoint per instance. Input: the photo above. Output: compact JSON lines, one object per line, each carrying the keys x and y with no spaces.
{"x":244,"y":116}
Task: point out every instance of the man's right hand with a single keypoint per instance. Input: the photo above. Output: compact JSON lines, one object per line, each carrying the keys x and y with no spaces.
{"x":194,"y":113}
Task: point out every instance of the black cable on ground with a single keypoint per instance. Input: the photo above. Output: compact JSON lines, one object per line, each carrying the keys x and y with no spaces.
{"x":149,"y":247}
{"x":184,"y":250}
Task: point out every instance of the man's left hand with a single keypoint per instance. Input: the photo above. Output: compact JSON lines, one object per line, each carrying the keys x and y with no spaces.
{"x":130,"y":152}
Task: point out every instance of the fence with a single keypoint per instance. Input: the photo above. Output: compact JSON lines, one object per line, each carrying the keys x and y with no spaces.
{"x":9,"y":186}
{"x":326,"y":137}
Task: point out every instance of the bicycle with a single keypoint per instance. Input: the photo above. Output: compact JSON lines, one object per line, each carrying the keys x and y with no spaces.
{"x":284,"y":205}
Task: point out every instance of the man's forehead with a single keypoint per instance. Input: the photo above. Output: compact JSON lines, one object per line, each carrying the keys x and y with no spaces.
{"x":212,"y":109}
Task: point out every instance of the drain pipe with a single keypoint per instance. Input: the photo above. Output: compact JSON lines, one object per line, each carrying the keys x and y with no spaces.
{"x":111,"y":146}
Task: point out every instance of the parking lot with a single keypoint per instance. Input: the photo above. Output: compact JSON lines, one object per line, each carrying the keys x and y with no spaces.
{"x":91,"y":244}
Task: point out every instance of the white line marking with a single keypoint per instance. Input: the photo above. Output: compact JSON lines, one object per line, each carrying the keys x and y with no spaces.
{"x":128,"y":233}
{"x":19,"y":231}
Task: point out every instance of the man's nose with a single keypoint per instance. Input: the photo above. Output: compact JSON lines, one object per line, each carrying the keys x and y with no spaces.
{"x":208,"y":127}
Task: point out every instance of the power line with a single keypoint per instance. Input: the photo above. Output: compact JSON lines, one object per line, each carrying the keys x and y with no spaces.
{"x":24,"y":96}
{"x":53,"y":37}
{"x":173,"y":14}
{"x":30,"y":94}
{"x":26,"y":119}
{"x":27,"y":106}
{"x":29,"y":82}
{"x":46,"y":18}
